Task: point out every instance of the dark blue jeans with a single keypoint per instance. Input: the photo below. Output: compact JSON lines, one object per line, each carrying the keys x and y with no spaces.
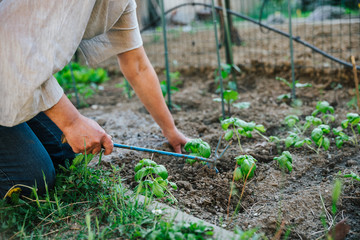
{"x":30,"y":151}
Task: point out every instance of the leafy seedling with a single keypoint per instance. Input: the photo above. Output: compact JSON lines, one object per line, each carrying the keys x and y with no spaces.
{"x":241,"y":128}
{"x":325,"y":110}
{"x":153,"y":179}
{"x":318,"y":136}
{"x":230,"y":96}
{"x":285,"y":161}
{"x":287,"y":96}
{"x":197,"y":148}
{"x":341,"y":137}
{"x":352,"y":120}
{"x":246,"y":167}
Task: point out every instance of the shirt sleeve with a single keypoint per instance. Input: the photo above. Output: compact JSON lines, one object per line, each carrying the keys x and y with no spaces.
{"x":38,"y":38}
{"x":123,"y":36}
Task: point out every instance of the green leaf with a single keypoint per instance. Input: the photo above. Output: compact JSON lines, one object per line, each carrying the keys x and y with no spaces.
{"x":283,"y":97}
{"x":291,"y":120}
{"x":345,"y":124}
{"x":339,"y":142}
{"x":335,"y":195}
{"x":173,"y":185}
{"x":316,"y":134}
{"x":161,"y":171}
{"x":289,"y":141}
{"x":299,"y":143}
{"x":230,"y":96}
{"x":274,"y":139}
{"x":237,"y":174}
{"x":242,"y":105}
{"x":198,"y":146}
{"x":142,"y":173}
{"x":324,"y":128}
{"x":326,"y":143}
{"x":148,"y":162}
{"x":158,"y":190}
{"x":260,"y":128}
{"x":226,"y":123}
{"x":138,"y":166}
{"x":303,"y":85}
{"x":228,"y":135}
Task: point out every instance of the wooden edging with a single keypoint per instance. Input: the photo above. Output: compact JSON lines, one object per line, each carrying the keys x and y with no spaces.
{"x":180,"y":216}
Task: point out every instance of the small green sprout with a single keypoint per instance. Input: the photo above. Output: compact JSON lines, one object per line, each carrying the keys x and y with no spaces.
{"x":324,"y":109}
{"x":341,"y":137}
{"x":353,"y":176}
{"x":335,"y":195}
{"x":285,"y":161}
{"x":152,"y":179}
{"x":246,"y":167}
{"x":230,"y":96}
{"x":241,"y":128}
{"x":353,"y":120}
{"x":197,"y":148}
{"x":318,"y":136}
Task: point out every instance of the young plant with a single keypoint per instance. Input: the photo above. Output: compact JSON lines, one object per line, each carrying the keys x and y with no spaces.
{"x":241,"y":128}
{"x":325,"y":110}
{"x":152,"y":179}
{"x":127,"y":89}
{"x":246,"y":167}
{"x":290,"y":85}
{"x":341,"y":137}
{"x":318,"y":136}
{"x":352,"y":120}
{"x":197,"y":148}
{"x":285,"y":161}
{"x":230,"y":96}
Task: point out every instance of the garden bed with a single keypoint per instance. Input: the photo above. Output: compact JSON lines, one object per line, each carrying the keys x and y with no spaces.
{"x":271,"y":197}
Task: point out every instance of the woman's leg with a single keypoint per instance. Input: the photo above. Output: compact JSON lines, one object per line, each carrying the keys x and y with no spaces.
{"x":28,"y":150}
{"x":23,"y":160}
{"x":50,"y":137}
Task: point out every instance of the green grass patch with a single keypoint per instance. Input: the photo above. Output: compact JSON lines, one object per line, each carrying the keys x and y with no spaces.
{"x":89,"y":203}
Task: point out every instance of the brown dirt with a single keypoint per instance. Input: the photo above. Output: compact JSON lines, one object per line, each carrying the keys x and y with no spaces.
{"x":271,"y":197}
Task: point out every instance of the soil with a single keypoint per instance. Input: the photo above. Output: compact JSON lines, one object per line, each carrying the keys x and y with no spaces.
{"x":271,"y":198}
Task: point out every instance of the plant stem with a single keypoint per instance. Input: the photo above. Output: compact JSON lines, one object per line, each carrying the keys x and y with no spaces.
{"x":266,"y":138}
{"x":312,"y":148}
{"x":231,"y":190}
{"x":238,"y":137}
{"x":242,"y":193}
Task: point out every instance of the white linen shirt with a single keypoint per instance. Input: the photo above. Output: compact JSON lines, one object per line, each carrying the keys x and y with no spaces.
{"x":38,"y":38}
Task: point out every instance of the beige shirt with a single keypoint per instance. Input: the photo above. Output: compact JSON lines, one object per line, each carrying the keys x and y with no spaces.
{"x":38,"y":38}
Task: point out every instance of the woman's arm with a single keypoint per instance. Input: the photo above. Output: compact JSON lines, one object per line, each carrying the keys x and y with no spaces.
{"x":137,"y":69}
{"x":79,"y":130}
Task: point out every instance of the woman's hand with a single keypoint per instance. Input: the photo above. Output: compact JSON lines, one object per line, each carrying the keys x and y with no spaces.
{"x":176,"y":139}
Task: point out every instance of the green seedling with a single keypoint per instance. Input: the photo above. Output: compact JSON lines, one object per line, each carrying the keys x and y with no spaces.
{"x":246,"y":167}
{"x":352,"y":120}
{"x":341,"y":137}
{"x":230,"y":96}
{"x":335,"y":195}
{"x":292,"y":122}
{"x":152,"y":179}
{"x":290,"y":85}
{"x":241,"y":128}
{"x":225,"y":74}
{"x":197,"y":148}
{"x":318,"y":136}
{"x":285,"y":161}
{"x":325,"y":110}
{"x":353,"y":176}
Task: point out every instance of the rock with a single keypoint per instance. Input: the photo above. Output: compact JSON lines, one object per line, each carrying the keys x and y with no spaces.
{"x":351,"y":163}
{"x":326,"y":12}
{"x":101,"y":121}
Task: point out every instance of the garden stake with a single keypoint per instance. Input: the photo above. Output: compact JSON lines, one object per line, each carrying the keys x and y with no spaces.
{"x":356,"y":81}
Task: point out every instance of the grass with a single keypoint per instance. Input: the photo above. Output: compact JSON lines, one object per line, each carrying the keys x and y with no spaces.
{"x":89,"y":203}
